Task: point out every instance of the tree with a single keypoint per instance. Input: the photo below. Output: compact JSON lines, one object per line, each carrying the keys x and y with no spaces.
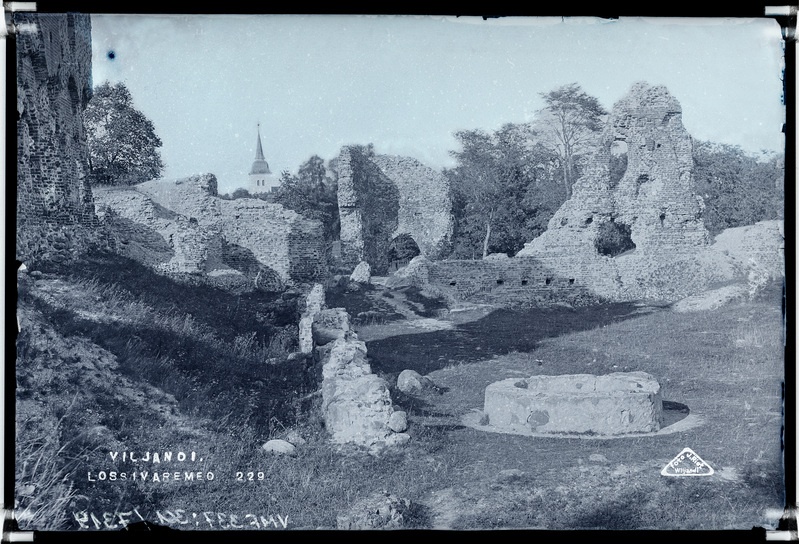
{"x":569,"y":124}
{"x":311,"y":193}
{"x":738,"y":189}
{"x":498,"y":187}
{"x":123,"y":146}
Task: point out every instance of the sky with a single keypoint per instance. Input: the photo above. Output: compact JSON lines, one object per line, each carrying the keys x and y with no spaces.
{"x":407,"y":83}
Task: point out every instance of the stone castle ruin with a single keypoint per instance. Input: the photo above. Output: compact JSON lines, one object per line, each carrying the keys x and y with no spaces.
{"x":182,"y":228}
{"x":381,"y":198}
{"x":55,"y":211}
{"x":637,"y":237}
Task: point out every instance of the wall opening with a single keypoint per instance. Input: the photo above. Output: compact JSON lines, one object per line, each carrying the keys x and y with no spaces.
{"x":662,"y":218}
{"x":401,"y":250}
{"x":547,"y":281}
{"x":524,"y":282}
{"x":500,"y":282}
{"x":618,"y":162}
{"x":589,"y":220}
{"x":571,"y":281}
{"x":614,"y":238}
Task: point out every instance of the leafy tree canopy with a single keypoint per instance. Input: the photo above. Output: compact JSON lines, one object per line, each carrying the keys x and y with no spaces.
{"x":311,"y":193}
{"x":123,"y":146}
{"x":737,"y":188}
{"x":569,"y":125}
{"x":503,"y":190}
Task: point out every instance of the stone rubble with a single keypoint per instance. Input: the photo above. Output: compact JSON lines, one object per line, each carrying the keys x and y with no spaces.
{"x":356,"y":404}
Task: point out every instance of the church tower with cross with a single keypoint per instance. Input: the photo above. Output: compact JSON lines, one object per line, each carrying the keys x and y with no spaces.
{"x":261,"y":178}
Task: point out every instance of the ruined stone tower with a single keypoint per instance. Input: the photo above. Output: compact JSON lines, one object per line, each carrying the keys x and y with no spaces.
{"x":638,"y":236}
{"x":261,"y":178}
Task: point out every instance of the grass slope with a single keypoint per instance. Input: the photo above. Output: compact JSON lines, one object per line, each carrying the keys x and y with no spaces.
{"x":113,"y":357}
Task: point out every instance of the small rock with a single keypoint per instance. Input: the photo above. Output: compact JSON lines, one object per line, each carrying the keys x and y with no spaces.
{"x":294,"y":437}
{"x":597,"y":458}
{"x":411,"y":382}
{"x":377,"y":511}
{"x":397,"y":439}
{"x":36,"y":274}
{"x":398,"y":421}
{"x":522,"y":384}
{"x":362,"y":273}
{"x":280,"y":447}
{"x":484,"y":419}
{"x":510,"y":475}
{"x":296,"y":356}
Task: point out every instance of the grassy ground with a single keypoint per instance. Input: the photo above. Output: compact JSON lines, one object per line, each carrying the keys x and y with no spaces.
{"x":725,"y":366}
{"x":112,"y":357}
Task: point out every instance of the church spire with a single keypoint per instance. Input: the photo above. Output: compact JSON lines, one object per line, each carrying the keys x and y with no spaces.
{"x":259,"y":151}
{"x":259,"y":165}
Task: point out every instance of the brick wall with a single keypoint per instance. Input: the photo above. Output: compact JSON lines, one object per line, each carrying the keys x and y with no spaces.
{"x":54,"y":200}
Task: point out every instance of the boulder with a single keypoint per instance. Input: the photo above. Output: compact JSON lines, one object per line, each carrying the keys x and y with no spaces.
{"x":415,"y":273}
{"x":362,"y":273}
{"x":411,"y":382}
{"x":398,"y":421}
{"x":280,"y":447}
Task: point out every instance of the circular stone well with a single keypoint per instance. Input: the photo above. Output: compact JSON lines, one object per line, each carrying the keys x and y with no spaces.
{"x":614,"y":404}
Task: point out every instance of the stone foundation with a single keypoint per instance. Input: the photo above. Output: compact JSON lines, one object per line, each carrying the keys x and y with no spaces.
{"x":615,"y":404}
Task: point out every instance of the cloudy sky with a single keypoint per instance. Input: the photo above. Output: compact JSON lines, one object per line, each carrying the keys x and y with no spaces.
{"x":407,"y":83}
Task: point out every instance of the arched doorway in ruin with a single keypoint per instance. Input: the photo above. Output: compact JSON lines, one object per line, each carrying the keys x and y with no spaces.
{"x":401,"y":250}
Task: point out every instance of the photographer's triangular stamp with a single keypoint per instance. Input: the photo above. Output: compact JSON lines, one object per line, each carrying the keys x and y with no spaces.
{"x":687,"y":463}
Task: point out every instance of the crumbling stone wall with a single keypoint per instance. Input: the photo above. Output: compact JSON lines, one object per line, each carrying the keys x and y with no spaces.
{"x":279,"y":238}
{"x":521,"y":282}
{"x":156,"y":236}
{"x":356,"y":404}
{"x":425,"y":203}
{"x":54,"y":200}
{"x":669,"y":255}
{"x":381,"y":197}
{"x":655,"y":200}
{"x":182,"y":227}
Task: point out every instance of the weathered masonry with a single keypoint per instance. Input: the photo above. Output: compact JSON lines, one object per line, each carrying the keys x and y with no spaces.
{"x":54,"y":200}
{"x":637,"y":236}
{"x":383,"y":197}
{"x":182,"y":228}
